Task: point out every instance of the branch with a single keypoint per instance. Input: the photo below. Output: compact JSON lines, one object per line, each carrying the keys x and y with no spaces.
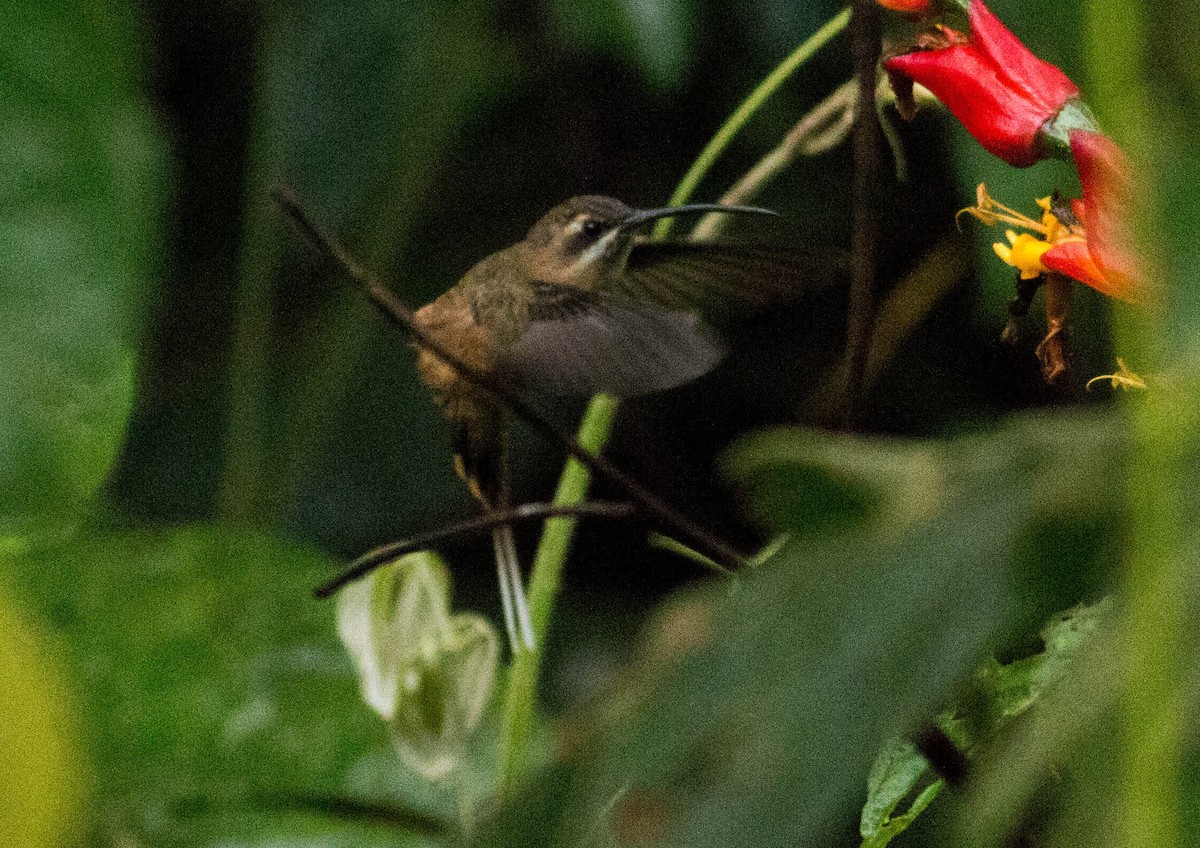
{"x":864,"y":48}
{"x":384,"y":554}
{"x":395,"y":311}
{"x":824,"y":126}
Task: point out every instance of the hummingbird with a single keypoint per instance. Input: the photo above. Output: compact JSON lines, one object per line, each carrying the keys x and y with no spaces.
{"x":584,"y":305}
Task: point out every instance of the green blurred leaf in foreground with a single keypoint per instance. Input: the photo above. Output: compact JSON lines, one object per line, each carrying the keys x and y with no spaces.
{"x":78,"y":229}
{"x":758,"y":713}
{"x":815,"y":483}
{"x":43,"y":772}
{"x":763,"y":730}
{"x":219,"y":699}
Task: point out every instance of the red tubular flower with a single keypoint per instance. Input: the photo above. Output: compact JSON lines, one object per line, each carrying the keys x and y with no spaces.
{"x":1101,"y":259}
{"x":1002,"y":93}
{"x":910,"y":7}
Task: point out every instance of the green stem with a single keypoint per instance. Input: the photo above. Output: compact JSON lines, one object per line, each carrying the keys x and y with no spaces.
{"x":743,"y":113}
{"x":544,"y":583}
{"x":466,"y":805}
{"x":521,"y":692}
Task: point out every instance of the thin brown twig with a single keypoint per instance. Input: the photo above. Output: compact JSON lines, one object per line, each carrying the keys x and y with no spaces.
{"x":373,"y":559}
{"x":394,"y":310}
{"x":824,"y":126}
{"x":867,"y":144}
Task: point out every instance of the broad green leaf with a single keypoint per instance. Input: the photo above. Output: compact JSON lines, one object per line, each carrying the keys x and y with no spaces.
{"x":763,"y":731}
{"x":78,"y":238}
{"x":762,"y":728}
{"x":815,"y":482}
{"x":812,"y":482}
{"x":219,"y":699}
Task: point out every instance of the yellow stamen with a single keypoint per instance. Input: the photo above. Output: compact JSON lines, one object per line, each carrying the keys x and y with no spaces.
{"x":1123,"y":379}
{"x":991,"y":212}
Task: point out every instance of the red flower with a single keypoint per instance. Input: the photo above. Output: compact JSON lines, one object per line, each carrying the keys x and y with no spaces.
{"x":1102,"y":258}
{"x":1088,"y":242}
{"x":1002,"y":93}
{"x":911,"y":7}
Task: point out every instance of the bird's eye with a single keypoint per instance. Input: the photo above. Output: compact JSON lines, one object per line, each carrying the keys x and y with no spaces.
{"x":592,"y":228}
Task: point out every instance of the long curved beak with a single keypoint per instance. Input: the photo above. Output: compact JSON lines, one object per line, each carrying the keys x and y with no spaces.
{"x":641,"y":216}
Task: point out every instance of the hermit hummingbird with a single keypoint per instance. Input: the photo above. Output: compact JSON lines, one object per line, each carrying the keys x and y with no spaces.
{"x":583,"y":305}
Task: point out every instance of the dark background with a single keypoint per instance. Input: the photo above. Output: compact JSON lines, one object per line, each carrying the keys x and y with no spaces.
{"x":429,"y":135}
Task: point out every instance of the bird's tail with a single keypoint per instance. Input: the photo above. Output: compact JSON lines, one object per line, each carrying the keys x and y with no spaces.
{"x":512,"y":591}
{"x":479,"y":456}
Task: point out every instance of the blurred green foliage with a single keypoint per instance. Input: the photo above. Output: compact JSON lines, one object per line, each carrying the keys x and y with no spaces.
{"x":45,"y":775}
{"x":197,"y":422}
{"x":79,"y":239}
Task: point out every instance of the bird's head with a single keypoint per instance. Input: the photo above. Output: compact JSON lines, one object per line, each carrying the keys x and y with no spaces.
{"x":584,"y":240}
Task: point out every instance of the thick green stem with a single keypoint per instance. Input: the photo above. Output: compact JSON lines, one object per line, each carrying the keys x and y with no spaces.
{"x":1156,"y":592}
{"x":544,"y":583}
{"x":244,"y":487}
{"x":521,"y":693}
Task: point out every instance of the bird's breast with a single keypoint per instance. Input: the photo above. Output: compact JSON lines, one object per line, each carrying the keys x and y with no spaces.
{"x":452,"y":325}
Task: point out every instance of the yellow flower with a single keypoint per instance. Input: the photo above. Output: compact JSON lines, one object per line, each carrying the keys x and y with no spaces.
{"x":1024,"y":254}
{"x":1024,"y":251}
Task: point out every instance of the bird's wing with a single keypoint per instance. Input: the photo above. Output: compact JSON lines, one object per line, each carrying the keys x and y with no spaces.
{"x":581,"y":342}
{"x":721,"y":280}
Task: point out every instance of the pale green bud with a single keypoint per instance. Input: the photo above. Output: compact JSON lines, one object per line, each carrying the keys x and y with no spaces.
{"x":427,"y":672}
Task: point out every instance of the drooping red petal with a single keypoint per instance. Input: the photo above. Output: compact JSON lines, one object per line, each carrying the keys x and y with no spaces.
{"x":1073,"y":259}
{"x":999,"y":90}
{"x":975,"y":91}
{"x":1040,"y":82}
{"x":1106,"y":177}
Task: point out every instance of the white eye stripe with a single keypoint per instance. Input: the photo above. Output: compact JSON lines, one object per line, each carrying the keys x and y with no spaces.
{"x":597,"y":250}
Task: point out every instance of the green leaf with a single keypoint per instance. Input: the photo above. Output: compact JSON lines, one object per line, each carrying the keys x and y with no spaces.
{"x":217,"y":692}
{"x":897,"y":771}
{"x":1001,"y":692}
{"x":756,"y":716}
{"x":816,"y":482}
{"x":758,"y":720}
{"x":78,"y":237}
